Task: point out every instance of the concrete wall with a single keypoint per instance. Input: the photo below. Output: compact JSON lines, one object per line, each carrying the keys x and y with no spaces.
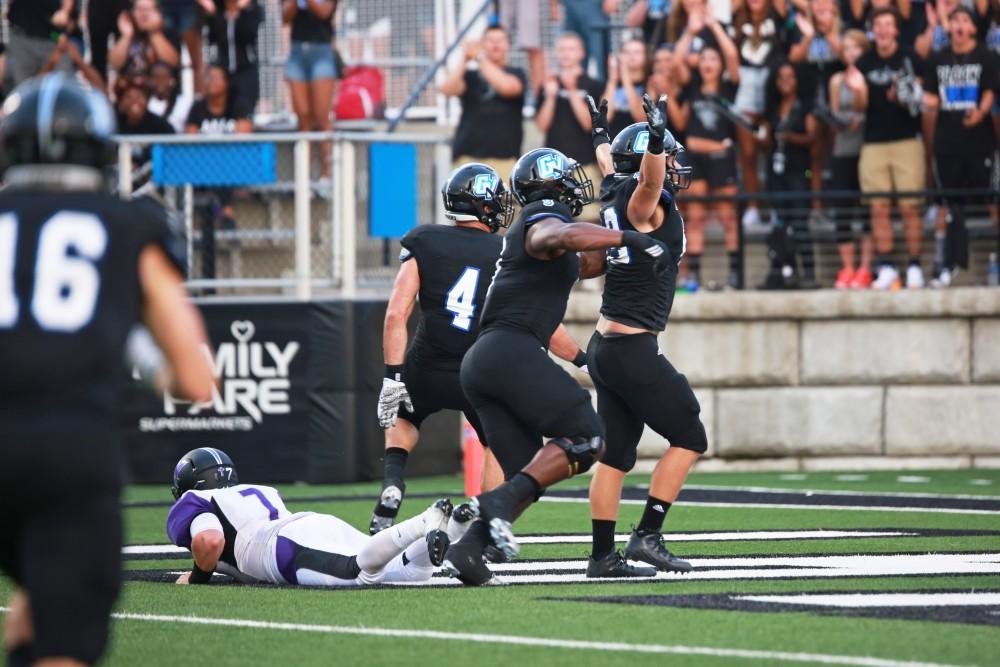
{"x":835,"y":374}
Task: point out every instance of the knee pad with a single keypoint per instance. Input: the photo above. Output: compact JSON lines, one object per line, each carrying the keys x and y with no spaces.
{"x":696,"y":441}
{"x":581,"y":452}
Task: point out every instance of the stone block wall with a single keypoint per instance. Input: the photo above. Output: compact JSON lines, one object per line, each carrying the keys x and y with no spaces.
{"x":834,"y":374}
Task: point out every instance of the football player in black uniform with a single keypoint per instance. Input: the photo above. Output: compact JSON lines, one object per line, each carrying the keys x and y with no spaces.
{"x":77,"y":269}
{"x":519,"y":393}
{"x":635,"y":383}
{"x":449,"y":269}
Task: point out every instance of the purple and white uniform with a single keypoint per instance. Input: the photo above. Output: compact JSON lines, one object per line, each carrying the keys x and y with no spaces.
{"x":266,"y":542}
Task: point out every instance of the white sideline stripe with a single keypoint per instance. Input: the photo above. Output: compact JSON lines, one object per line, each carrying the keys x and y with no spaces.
{"x":166,"y":549}
{"x":830,"y":492}
{"x":519,"y":640}
{"x":782,"y":506}
{"x":867,"y":600}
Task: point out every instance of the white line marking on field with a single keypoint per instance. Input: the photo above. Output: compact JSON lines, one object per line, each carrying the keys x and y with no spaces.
{"x":981,"y":482}
{"x":786,"y":506}
{"x":154,"y":549}
{"x":832,"y":492}
{"x":520,"y":640}
{"x":867,"y":600}
{"x":793,"y":477}
{"x":913,"y":479}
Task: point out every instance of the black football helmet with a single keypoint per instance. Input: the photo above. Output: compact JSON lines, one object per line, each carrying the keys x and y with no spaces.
{"x":203,"y":468}
{"x":545,"y":173}
{"x":475,"y":191}
{"x":630,"y":145}
{"x":52,"y":119}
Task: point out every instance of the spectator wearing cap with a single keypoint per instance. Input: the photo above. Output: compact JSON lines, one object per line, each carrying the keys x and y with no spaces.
{"x":892,"y":155}
{"x":492,"y":96}
{"x":960,"y":84}
{"x":563,"y":114}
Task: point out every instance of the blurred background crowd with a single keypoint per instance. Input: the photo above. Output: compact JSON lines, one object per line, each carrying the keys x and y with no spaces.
{"x":871,"y":124}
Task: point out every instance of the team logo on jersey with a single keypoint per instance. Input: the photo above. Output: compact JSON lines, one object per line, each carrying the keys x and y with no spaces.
{"x":254,"y":383}
{"x":640,"y":142}
{"x":548,"y":166}
{"x":484,"y":185}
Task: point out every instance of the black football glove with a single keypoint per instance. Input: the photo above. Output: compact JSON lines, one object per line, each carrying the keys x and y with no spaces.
{"x":599,"y":122}
{"x":656,"y":116}
{"x":647,"y":244}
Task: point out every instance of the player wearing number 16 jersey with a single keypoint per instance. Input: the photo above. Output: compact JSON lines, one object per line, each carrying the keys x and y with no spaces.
{"x":78,"y":268}
{"x":245,"y":531}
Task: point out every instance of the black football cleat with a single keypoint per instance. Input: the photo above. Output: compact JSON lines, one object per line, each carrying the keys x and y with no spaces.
{"x":648,"y":547}
{"x":614,"y":565}
{"x":464,"y":561}
{"x":494,"y":555}
{"x":461,"y":518}
{"x":496,"y":508}
{"x":386,"y":509}
{"x":437,"y":546}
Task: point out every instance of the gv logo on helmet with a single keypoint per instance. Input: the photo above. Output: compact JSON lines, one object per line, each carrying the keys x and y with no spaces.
{"x":484,"y":185}
{"x":548,"y":166}
{"x":641,"y":142}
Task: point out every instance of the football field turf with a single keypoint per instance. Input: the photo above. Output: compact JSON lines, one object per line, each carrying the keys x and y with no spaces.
{"x":877,"y":568}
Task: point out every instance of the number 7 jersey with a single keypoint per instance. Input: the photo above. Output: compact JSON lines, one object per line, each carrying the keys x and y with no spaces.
{"x":456,"y":265}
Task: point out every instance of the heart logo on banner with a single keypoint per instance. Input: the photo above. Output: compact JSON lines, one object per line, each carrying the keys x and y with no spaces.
{"x":242,"y":330}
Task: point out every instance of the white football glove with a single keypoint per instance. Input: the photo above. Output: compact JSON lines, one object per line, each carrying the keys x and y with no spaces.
{"x":393,"y":393}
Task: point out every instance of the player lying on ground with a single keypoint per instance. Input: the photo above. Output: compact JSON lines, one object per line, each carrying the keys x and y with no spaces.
{"x":635,"y":383}
{"x":245,"y":531}
{"x":449,"y":269}
{"x":78,"y":268}
{"x":519,"y":393}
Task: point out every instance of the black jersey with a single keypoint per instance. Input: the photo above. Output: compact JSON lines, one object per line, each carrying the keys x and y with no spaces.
{"x":69,"y":293}
{"x":455,"y":265}
{"x":633,"y":294}
{"x":527,"y":293}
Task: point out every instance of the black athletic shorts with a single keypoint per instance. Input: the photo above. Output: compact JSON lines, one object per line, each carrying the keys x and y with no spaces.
{"x":62,"y":539}
{"x":432,"y":390}
{"x":719,"y":169}
{"x":522,"y":396}
{"x":636,"y":385}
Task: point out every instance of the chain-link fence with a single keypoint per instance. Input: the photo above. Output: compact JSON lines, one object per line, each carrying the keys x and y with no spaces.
{"x":261,"y":218}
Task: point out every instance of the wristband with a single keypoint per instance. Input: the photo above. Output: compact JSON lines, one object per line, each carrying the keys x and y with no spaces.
{"x":580,"y":360}
{"x":599,"y":139}
{"x":394,"y":372}
{"x":198,"y":575}
{"x":655,"y":145}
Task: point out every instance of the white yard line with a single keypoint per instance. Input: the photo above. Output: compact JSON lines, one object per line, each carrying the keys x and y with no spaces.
{"x":861,"y":494}
{"x":786,"y":506}
{"x":881,"y":600}
{"x":520,"y":640}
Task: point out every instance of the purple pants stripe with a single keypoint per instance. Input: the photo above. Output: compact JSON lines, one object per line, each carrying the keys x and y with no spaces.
{"x":284,"y":554}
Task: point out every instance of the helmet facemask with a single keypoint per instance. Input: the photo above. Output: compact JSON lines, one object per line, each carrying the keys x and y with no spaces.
{"x":678,"y":176}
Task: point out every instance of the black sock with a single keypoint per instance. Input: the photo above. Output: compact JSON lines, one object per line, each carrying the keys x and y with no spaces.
{"x":21,"y":656}
{"x":395,"y":465}
{"x":735,"y":262}
{"x":604,"y":537}
{"x":694,"y":266}
{"x":525,"y":487}
{"x":915,"y":261}
{"x":477,"y":534}
{"x":652,"y":517}
{"x":884,"y":260}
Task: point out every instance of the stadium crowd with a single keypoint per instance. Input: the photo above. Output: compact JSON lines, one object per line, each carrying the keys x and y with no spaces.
{"x":773,"y":99}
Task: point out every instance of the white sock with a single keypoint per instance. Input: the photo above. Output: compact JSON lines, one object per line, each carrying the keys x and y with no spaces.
{"x":457,"y":529}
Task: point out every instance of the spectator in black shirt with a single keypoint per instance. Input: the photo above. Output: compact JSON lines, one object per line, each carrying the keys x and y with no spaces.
{"x":627,"y":74}
{"x":790,"y":131}
{"x":490,"y":128}
{"x":960,"y":85}
{"x":697,"y":111}
{"x":166,"y":99}
{"x":232,"y":36}
{"x":142,"y":42}
{"x":892,"y":157}
{"x":102,"y":23}
{"x":690,"y":29}
{"x":562,"y":113}
{"x":134,"y":117}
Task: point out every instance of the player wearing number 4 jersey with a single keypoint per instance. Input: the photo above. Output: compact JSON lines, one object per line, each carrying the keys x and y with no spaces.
{"x":635,"y":383}
{"x":245,"y":531}
{"x":448,"y":268}
{"x":519,"y":393}
{"x":78,"y":268}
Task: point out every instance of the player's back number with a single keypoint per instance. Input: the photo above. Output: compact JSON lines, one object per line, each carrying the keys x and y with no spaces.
{"x":461,"y":301}
{"x":66,"y":280}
